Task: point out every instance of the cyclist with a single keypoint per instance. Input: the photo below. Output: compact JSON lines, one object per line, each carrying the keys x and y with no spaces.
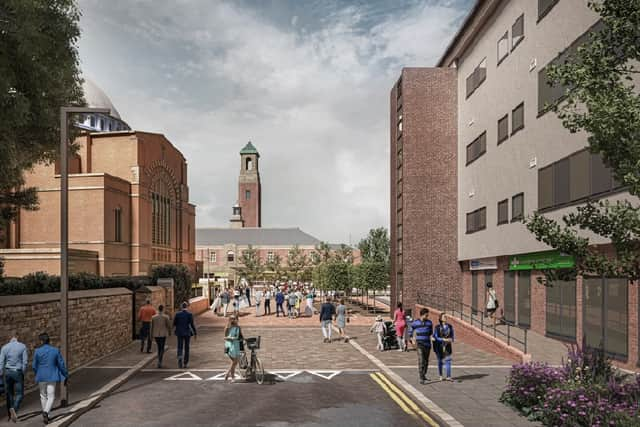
{"x":232,"y":337}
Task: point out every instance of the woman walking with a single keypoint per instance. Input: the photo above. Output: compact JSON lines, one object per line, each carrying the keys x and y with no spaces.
{"x":400,"y":324}
{"x":341,"y":319}
{"x":492,"y":303}
{"x":443,"y":337}
{"x":232,"y":337}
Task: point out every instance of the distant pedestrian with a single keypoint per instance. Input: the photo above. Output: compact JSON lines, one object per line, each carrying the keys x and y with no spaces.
{"x":421,"y":331}
{"x":279,"y":302}
{"x":267,"y":301}
{"x":184,"y":329}
{"x":292,"y":299}
{"x":327,"y":312}
{"x":232,"y":339}
{"x":216,"y":304}
{"x":400,"y":324}
{"x":258,"y":297}
{"x":379,"y":328}
{"x":236,"y":302}
{"x":247,"y":292}
{"x":492,"y":302}
{"x":49,"y":367}
{"x":145,"y":314}
{"x":443,"y":345}
{"x":160,"y":330}
{"x":309,"y":307}
{"x":342,"y":316}
{"x":13,"y":364}
{"x":225,"y":298}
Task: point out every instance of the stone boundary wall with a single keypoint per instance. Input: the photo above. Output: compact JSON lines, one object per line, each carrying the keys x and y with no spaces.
{"x":158,"y":295}
{"x":477,"y":338}
{"x":198,"y":305}
{"x":99,"y":322}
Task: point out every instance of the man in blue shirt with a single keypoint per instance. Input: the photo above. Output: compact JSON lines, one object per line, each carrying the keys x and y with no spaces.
{"x":185,"y":329}
{"x":279,"y":302}
{"x":327,"y":312}
{"x":420,"y":332}
{"x":13,"y":364}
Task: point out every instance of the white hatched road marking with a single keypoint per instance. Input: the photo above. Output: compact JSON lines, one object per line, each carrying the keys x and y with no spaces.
{"x":184,"y":376}
{"x":327,"y":375}
{"x":220,"y":374}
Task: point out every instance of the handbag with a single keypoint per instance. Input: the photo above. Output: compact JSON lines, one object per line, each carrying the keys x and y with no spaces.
{"x":497,"y":303}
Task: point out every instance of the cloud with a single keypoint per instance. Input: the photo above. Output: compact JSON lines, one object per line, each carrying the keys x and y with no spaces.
{"x":311,"y":91}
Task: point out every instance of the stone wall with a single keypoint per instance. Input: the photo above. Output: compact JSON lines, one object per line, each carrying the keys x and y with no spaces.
{"x":99,"y":322}
{"x":158,"y":295}
{"x":198,"y":305}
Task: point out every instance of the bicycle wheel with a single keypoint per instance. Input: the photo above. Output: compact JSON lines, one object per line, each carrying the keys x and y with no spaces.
{"x":258,"y":370}
{"x":243,"y":361}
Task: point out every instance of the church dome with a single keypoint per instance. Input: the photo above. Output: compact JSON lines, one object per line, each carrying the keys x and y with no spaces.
{"x":96,"y":98}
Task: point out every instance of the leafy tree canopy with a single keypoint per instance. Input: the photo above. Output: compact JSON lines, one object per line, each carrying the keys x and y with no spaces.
{"x":375,"y":247}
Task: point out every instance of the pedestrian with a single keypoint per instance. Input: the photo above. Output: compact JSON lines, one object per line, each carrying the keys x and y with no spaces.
{"x":232,"y":339}
{"x":443,"y":345}
{"x":279,"y":302}
{"x":49,"y":367}
{"x":421,"y":331}
{"x":247,"y":292}
{"x":217,"y":301}
{"x":145,"y":314}
{"x":342,"y":317}
{"x":292,"y":299}
{"x":225,"y":298}
{"x":267,"y":301}
{"x":258,"y":297}
{"x":400,"y":324}
{"x":492,"y":303}
{"x":327,"y":312}
{"x":236,"y":302}
{"x":184,"y":329}
{"x":13,"y":364}
{"x":379,"y":328}
{"x":160,"y":330}
{"x":309,"y":306}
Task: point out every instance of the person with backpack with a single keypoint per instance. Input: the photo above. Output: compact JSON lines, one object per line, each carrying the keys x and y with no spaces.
{"x":443,"y":339}
{"x":420,"y":333}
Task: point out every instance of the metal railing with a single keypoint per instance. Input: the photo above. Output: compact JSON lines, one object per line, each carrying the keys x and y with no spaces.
{"x":476,"y":317}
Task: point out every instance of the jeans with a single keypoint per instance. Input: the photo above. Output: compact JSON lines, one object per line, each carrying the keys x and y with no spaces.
{"x":446,"y":361}
{"x":145,"y":335}
{"x":423,"y":359}
{"x":183,"y":343}
{"x":267,"y":306}
{"x":279,"y":309}
{"x":13,"y":388}
{"x":47,"y":395}
{"x":160,"y":341}
{"x":326,"y":328}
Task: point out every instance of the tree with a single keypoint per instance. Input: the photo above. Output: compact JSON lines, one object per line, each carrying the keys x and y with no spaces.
{"x":344,"y":254}
{"x":337,"y":275}
{"x":275,"y":267}
{"x":297,"y":262}
{"x":375,"y":276}
{"x":39,"y":73}
{"x":602,"y":101}
{"x":322,"y":253}
{"x":181,"y":280}
{"x":252,"y":266}
{"x":375,"y":247}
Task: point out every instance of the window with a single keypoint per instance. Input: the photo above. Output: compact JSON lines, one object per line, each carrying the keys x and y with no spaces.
{"x":213,"y":257}
{"x":102,"y":127}
{"x":118,"y":224}
{"x":92,"y":121}
{"x":249,"y":164}
{"x":503,"y":212}
{"x":503,"y":129}
{"x":524,"y":298}
{"x":270,"y":256}
{"x":561,"y":309}
{"x":247,"y":194}
{"x":605,"y":304}
{"x":477,"y":148}
{"x":160,"y":213}
{"x":544,"y":6}
{"x":476,"y":78}
{"x":517,"y":32}
{"x":517,"y":118}
{"x":477,"y":220}
{"x":574,"y":179}
{"x":517,"y":207}
{"x":230,"y":256}
{"x":503,"y":47}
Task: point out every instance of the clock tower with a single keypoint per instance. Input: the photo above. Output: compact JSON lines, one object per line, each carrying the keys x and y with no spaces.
{"x":249,"y":189}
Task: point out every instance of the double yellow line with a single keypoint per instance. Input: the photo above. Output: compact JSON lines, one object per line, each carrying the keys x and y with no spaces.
{"x":402,"y":399}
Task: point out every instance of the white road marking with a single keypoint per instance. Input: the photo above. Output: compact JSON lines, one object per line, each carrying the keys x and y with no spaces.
{"x":327,"y":375}
{"x":184,"y":376}
{"x":285,"y":375}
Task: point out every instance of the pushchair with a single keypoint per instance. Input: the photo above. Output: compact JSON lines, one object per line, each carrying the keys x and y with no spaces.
{"x":389,"y":341}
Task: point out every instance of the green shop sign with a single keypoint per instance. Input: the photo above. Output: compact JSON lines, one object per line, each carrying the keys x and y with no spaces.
{"x":551,"y":260}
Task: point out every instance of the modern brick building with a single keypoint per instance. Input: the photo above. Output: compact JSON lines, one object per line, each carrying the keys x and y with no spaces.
{"x":513,"y":158}
{"x":128,"y":205}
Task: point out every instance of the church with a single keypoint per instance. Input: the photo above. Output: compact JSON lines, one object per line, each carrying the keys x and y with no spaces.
{"x":220,"y":249}
{"x":129,"y":206}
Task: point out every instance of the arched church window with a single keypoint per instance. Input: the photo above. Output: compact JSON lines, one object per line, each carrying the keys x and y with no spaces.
{"x":230,"y":256}
{"x":249,"y":164}
{"x":160,"y":213}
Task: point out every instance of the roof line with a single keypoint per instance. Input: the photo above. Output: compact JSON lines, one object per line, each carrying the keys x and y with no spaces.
{"x":459,"y":33}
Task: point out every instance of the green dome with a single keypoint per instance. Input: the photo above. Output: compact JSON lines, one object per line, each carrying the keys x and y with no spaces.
{"x":249,"y":149}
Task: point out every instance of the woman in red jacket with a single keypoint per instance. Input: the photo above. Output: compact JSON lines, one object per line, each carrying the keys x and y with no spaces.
{"x":400,"y":324}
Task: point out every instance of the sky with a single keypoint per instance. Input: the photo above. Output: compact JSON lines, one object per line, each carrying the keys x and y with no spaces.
{"x":306,"y":81}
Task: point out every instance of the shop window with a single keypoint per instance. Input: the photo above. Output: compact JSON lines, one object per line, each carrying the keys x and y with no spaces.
{"x":605,"y":308}
{"x":561,"y":309}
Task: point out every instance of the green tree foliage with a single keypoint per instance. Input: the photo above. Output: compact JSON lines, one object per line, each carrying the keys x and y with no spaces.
{"x":39,"y":73}
{"x":319,"y":277}
{"x":275,"y":267}
{"x":602,"y":101}
{"x":297,"y":263}
{"x":344,"y":254}
{"x":252,"y":267}
{"x":337,"y":275}
{"x":375,"y":247}
{"x":322,"y":253}
{"x":182,"y":280}
{"x":374,"y":275}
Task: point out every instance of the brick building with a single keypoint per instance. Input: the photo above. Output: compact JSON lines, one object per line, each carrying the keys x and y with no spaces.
{"x":128,"y":205}
{"x":514,"y":157}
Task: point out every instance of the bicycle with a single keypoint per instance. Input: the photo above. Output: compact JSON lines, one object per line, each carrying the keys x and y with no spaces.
{"x":253,"y":368}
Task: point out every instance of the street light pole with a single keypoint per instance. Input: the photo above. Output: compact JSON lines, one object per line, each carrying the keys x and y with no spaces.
{"x":64,"y":231}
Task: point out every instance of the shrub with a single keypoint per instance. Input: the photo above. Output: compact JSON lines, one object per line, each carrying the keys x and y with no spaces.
{"x":181,"y":281}
{"x":528,"y":383}
{"x":40,"y":282}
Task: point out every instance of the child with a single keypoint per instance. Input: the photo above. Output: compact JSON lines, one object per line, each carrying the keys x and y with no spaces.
{"x":443,"y":337}
{"x":380,"y":329}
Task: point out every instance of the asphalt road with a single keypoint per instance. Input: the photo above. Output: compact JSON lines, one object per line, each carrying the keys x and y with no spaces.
{"x":150,"y":398}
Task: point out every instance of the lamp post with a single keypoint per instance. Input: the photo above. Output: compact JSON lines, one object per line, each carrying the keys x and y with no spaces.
{"x":64,"y":230}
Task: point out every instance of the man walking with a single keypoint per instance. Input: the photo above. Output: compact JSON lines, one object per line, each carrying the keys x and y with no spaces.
{"x":279,"y":302}
{"x":327,"y":312}
{"x":225,"y":299}
{"x":160,"y":329}
{"x":420,"y":333}
{"x":247,"y":292}
{"x":267,"y":301}
{"x":258,"y":297}
{"x":145,"y":315}
{"x":49,"y":367}
{"x":184,"y":328}
{"x":291,"y":304}
{"x":13,"y":364}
